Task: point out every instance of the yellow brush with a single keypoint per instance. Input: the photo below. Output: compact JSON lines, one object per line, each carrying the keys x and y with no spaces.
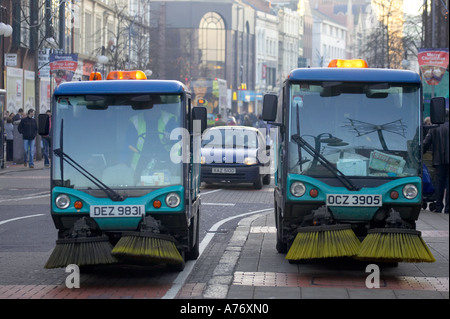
{"x":323,"y":242}
{"x":147,"y":247}
{"x":81,"y":251}
{"x":395,"y":245}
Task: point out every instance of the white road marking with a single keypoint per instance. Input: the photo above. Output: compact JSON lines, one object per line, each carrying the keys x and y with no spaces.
{"x":182,"y":276}
{"x":16,"y":199}
{"x":19,"y":218}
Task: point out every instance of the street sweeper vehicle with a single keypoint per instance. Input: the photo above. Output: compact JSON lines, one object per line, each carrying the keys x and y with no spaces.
{"x":125,"y":172}
{"x":348,"y":179}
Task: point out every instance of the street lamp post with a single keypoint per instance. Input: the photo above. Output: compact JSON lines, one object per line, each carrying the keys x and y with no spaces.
{"x":5,"y":31}
{"x":103,"y":59}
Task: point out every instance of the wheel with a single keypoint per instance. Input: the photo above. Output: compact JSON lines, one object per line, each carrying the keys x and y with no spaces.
{"x":266,"y":179}
{"x":194,"y":252}
{"x":259,"y":183}
{"x":280,"y":245}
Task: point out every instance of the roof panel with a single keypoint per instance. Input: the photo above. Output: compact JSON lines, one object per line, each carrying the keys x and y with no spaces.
{"x":354,"y":75}
{"x":120,"y":87}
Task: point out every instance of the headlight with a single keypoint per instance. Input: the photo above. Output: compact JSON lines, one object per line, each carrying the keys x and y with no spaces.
{"x":202,"y":160}
{"x":62,"y":201}
{"x":410,"y":191}
{"x":298,"y":189}
{"x":250,"y":161}
{"x":173,"y":200}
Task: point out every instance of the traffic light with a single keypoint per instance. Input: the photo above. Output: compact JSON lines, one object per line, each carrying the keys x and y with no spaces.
{"x":202,"y":102}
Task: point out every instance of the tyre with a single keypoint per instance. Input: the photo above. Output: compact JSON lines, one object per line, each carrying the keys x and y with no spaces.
{"x":259,"y":183}
{"x":194,"y":252}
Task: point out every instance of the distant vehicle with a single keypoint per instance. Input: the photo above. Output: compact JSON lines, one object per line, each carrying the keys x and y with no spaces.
{"x":211,"y":119}
{"x":231,"y":120}
{"x":235,"y":154}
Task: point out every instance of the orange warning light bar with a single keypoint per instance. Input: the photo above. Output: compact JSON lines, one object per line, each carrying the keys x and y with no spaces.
{"x":339,"y":63}
{"x":95,"y":76}
{"x":126,"y":75}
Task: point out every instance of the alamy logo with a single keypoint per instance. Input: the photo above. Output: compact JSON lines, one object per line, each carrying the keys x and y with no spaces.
{"x":73,"y":279}
{"x":373,"y":279}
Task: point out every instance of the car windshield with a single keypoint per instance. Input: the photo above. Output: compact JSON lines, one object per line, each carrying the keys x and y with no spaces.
{"x":230,"y":138}
{"x":364,"y":129}
{"x":122,"y":140}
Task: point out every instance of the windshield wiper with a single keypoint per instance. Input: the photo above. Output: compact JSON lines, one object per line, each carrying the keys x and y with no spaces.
{"x":327,"y":164}
{"x":108,"y":191}
{"x":114,"y":196}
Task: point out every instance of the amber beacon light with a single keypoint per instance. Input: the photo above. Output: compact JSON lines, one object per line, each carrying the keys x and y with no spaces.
{"x":339,"y":63}
{"x":126,"y":75}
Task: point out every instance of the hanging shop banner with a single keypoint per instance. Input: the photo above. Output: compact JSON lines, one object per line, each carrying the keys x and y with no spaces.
{"x":433,"y":64}
{"x":28,"y":90}
{"x":14,"y":89}
{"x":63,"y":67}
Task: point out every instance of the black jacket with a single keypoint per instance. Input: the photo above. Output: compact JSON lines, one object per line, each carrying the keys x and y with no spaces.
{"x":439,"y":138}
{"x":28,"y":128}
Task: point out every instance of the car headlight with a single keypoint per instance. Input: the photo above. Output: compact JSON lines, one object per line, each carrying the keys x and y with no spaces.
{"x":173,"y":200}
{"x":250,"y":161}
{"x":202,"y":160}
{"x":298,"y":189}
{"x":410,"y":191}
{"x":62,"y":201}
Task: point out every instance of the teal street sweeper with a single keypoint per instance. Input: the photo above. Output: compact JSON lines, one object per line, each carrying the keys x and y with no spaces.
{"x":349,"y":154}
{"x":125,"y":171}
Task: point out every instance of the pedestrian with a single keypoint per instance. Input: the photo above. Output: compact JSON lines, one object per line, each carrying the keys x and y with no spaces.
{"x":247,"y":121}
{"x":438,"y":138}
{"x":261,"y":124}
{"x":9,"y":129}
{"x":28,"y":128}
{"x":46,"y":141}
{"x":219,"y":121}
{"x":18,"y":117}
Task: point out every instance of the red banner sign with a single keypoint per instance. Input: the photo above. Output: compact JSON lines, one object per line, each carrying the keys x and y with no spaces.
{"x":433,"y":64}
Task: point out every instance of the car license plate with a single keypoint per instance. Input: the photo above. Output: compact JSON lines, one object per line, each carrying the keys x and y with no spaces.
{"x":117,"y":211}
{"x":354,"y":200}
{"x":224,"y":170}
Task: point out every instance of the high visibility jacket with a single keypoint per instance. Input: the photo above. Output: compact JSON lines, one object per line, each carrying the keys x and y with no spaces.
{"x":140,"y":125}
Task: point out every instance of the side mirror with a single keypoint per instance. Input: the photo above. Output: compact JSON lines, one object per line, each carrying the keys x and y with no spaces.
{"x":437,"y":110}
{"x":43,"y":124}
{"x":199,"y":113}
{"x":270,"y":105}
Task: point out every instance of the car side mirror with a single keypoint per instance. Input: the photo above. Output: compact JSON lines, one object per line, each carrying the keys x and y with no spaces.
{"x":43,"y":124}
{"x":437,"y":110}
{"x":270,"y":105}
{"x":199,"y":113}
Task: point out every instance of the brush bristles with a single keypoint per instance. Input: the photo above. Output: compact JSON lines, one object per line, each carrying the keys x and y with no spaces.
{"x":323,"y":244}
{"x":147,"y":249}
{"x":80,"y":253}
{"x":395,"y":247}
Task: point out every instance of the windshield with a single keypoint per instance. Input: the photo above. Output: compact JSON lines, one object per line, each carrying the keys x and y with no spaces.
{"x":122,"y":140}
{"x":364,"y":129}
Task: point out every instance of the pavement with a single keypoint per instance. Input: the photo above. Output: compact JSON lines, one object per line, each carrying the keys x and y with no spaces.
{"x":244,"y":264}
{"x":251,"y":268}
{"x":11,"y":167}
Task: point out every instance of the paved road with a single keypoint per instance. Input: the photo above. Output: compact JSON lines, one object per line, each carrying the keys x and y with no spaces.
{"x":238,"y":259}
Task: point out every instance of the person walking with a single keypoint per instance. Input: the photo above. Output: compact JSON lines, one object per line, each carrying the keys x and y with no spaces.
{"x":28,"y":128}
{"x":438,"y":138}
{"x":9,"y":129}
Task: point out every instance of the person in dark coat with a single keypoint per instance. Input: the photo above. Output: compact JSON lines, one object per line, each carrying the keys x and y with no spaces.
{"x":28,"y":128}
{"x":438,"y":138}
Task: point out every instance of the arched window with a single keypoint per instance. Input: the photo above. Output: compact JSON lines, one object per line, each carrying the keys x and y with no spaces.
{"x":212,"y":43}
